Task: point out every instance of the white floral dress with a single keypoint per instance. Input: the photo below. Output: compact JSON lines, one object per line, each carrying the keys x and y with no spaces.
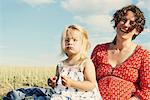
{"x":68,"y":93}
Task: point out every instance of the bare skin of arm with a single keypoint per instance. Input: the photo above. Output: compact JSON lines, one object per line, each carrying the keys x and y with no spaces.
{"x":53,"y":79}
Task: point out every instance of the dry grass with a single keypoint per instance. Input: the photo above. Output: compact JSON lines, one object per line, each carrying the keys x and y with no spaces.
{"x":13,"y":77}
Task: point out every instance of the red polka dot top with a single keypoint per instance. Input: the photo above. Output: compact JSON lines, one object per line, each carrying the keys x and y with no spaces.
{"x":130,"y":78}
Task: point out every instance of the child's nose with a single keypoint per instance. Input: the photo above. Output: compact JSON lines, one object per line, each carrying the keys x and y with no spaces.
{"x":71,"y":42}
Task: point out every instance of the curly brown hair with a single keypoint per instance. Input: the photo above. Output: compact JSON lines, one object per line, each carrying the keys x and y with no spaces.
{"x":139,"y":20}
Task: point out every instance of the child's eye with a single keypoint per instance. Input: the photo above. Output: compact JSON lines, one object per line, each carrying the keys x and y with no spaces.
{"x":75,"y":40}
{"x":67,"y":40}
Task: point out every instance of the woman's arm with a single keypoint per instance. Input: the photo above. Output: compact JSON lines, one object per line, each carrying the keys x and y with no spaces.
{"x":90,"y":79}
{"x":144,"y":73}
{"x":97,"y":59}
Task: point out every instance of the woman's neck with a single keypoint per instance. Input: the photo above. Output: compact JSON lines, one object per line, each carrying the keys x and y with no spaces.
{"x":123,"y":45}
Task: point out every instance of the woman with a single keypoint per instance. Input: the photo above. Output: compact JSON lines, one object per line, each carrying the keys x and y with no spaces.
{"x":122,"y":66}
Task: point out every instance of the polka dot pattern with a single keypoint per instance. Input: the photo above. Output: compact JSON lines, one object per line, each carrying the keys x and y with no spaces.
{"x":130,"y":78}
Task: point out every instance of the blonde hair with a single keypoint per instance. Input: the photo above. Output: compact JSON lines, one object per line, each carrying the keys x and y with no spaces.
{"x":85,"y":40}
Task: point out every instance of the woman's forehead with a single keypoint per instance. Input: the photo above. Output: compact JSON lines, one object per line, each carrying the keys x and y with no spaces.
{"x":130,"y":15}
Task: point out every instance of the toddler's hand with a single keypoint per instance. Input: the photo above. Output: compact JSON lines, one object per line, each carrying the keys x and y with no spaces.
{"x":52,"y":81}
{"x":66,"y":81}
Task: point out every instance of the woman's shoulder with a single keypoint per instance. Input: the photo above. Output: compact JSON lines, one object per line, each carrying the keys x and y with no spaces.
{"x":102,"y":46}
{"x":142,"y":51}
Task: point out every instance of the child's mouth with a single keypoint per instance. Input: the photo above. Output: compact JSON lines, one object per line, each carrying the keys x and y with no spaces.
{"x":69,"y":47}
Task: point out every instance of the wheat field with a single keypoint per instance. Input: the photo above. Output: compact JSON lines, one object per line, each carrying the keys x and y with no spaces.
{"x":13,"y":77}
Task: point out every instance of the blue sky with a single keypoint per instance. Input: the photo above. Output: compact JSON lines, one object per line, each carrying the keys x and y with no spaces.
{"x":30,"y":30}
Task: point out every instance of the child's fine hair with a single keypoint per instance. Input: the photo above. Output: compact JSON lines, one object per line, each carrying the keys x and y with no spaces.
{"x":85,"y":40}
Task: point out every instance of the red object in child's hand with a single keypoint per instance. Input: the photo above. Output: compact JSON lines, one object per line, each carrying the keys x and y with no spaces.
{"x":62,"y":77}
{"x":54,"y":78}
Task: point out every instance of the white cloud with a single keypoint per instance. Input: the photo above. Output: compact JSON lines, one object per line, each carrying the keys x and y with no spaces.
{"x":38,"y":2}
{"x":94,"y":13}
{"x":100,"y":39}
{"x":144,"y":4}
{"x":97,"y":23}
{"x":84,"y":7}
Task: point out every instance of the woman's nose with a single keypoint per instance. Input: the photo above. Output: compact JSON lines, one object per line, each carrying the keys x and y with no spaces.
{"x":127,"y":23}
